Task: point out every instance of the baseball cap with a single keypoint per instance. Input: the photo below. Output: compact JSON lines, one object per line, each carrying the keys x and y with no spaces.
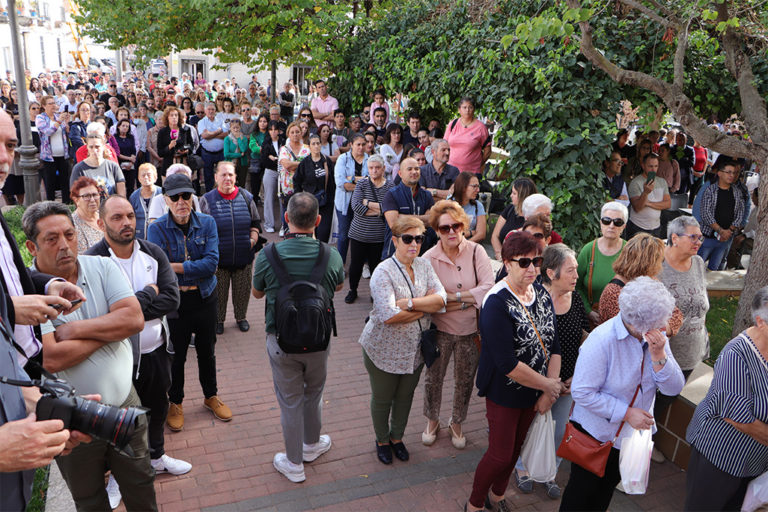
{"x":177,"y":184}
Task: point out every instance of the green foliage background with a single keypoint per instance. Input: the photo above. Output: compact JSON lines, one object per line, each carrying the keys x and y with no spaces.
{"x":554,"y":114}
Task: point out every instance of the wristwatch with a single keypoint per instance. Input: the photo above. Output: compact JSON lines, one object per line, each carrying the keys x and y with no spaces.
{"x":410,"y":305}
{"x":660,"y":362}
{"x":463,"y":305}
{"x":458,"y":296}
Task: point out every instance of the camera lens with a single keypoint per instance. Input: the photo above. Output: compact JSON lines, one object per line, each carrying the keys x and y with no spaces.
{"x":107,"y":422}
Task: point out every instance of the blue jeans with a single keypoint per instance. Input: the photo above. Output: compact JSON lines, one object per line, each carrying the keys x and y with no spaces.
{"x":560,"y":412}
{"x":210,"y":159}
{"x":713,"y":250}
{"x":343,"y":243}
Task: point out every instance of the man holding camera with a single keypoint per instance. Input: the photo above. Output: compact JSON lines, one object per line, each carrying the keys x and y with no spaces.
{"x":90,"y":349}
{"x":25,"y":444}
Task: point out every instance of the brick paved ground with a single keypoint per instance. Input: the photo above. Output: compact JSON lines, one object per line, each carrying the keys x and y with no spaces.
{"x":233,"y":461}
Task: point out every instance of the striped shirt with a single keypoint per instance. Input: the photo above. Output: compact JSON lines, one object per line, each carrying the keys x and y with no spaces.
{"x":367,"y":228}
{"x":739,"y":392}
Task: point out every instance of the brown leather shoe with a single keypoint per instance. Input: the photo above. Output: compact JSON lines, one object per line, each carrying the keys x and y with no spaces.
{"x":175,"y":418}
{"x":217,"y":407}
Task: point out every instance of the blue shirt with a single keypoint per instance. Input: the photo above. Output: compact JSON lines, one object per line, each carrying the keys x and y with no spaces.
{"x":344,"y":172}
{"x":474,"y":211}
{"x":607,"y":374}
{"x":215,"y":144}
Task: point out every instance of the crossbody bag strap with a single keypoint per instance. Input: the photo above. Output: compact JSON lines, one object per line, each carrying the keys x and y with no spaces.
{"x":591,"y":271}
{"x":406,"y":282}
{"x":530,"y":318}
{"x":637,"y":390}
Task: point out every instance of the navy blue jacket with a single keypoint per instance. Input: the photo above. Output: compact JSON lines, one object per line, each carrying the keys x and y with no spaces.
{"x":234,"y":220}
{"x":401,"y":198}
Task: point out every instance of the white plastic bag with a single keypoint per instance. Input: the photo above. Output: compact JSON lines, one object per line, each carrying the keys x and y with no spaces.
{"x":334,"y":229}
{"x":635,"y":461}
{"x":757,"y":494}
{"x":538,"y":452}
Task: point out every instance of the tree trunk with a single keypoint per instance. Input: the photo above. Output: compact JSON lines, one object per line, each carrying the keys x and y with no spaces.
{"x":757,"y":274}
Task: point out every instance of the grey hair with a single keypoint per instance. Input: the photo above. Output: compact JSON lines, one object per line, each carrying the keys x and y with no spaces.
{"x":378,"y":159}
{"x":177,"y":168}
{"x":615,"y":206}
{"x":94,"y":130}
{"x":555,"y":256}
{"x":645,"y":304}
{"x":533,"y":202}
{"x":436,"y":144}
{"x":211,"y":104}
{"x":302,"y":210}
{"x":37,"y":211}
{"x":679,"y":225}
{"x":760,"y":304}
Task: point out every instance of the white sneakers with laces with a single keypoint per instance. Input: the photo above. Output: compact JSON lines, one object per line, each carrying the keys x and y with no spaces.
{"x":291,"y":471}
{"x":313,"y":451}
{"x":166,"y":464}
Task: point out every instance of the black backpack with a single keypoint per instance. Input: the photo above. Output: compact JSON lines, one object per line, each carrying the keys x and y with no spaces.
{"x":304,"y":314}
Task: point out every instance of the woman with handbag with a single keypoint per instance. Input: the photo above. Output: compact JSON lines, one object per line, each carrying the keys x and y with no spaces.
{"x":368,"y":227}
{"x":405,"y":292}
{"x":464,"y":269}
{"x":313,"y":176}
{"x":519,"y":370}
{"x":174,"y":141}
{"x":728,"y":429}
{"x":620,"y":366}
{"x":288,"y":159}
{"x":596,"y":258}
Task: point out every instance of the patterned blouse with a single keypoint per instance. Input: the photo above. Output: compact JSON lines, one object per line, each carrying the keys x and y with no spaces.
{"x":285,"y":178}
{"x":86,"y":235}
{"x":394,"y":348}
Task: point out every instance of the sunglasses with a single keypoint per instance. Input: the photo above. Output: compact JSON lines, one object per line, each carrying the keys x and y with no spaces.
{"x":201,"y":113}
{"x":526,"y":262}
{"x":306,"y":115}
{"x":408,"y":239}
{"x":184,"y":195}
{"x":616,"y":222}
{"x":456,"y":228}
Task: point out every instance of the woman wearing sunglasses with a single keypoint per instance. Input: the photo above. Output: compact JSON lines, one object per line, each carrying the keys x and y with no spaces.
{"x":464,"y":269}
{"x":519,"y":370}
{"x":405,"y":291}
{"x":596,"y":258}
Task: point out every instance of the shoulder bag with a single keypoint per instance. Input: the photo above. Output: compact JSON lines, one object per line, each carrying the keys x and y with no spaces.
{"x":428,"y":340}
{"x":586,"y":451}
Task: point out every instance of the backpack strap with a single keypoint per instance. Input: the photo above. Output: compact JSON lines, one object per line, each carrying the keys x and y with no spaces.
{"x":321,"y":265}
{"x":277,"y":264}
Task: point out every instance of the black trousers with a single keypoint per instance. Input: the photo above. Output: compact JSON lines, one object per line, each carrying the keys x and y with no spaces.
{"x":362,"y":252}
{"x":56,"y":176}
{"x":586,"y":491}
{"x":256,"y":174}
{"x":152,"y":387}
{"x":709,"y":488}
{"x":196,"y":315}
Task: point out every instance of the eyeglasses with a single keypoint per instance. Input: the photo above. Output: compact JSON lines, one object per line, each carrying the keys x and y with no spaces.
{"x":616,"y":222}
{"x":184,"y":195}
{"x":475,"y":185}
{"x":695,"y":239}
{"x":409,"y":239}
{"x":89,"y":197}
{"x":728,"y":172}
{"x":526,"y":262}
{"x":201,"y":113}
{"x":456,"y":228}
{"x":112,"y":85}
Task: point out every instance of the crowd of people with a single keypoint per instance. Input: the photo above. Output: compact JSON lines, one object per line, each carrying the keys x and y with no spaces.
{"x":175,"y":184}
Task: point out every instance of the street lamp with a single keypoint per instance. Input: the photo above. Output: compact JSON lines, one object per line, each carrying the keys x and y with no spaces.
{"x":29,"y":162}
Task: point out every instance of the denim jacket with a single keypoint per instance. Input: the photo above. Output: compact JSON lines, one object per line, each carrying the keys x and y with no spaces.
{"x":199,"y":249}
{"x":345,"y":173}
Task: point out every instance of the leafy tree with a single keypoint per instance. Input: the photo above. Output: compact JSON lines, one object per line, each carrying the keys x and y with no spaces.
{"x":554,"y":114}
{"x":253,"y":32}
{"x":732,"y":34}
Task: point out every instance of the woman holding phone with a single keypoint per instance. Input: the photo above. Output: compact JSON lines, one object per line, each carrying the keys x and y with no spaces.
{"x":175,"y":140}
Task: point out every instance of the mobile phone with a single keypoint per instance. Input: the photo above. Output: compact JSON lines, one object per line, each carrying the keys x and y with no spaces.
{"x":651,"y":177}
{"x":73,"y":302}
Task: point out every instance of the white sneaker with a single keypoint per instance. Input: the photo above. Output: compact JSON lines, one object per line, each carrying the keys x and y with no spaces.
{"x":291,"y":471}
{"x":269,"y":230}
{"x":657,"y":456}
{"x":313,"y":451}
{"x":282,"y":232}
{"x":366,"y":272}
{"x":113,"y":492}
{"x":166,"y":464}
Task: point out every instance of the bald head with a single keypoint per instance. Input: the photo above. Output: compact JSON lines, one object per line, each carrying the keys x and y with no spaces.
{"x":8,"y":143}
{"x":409,"y":172}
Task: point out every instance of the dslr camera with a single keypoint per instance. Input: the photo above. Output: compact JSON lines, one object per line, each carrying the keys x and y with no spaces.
{"x":106,"y":422}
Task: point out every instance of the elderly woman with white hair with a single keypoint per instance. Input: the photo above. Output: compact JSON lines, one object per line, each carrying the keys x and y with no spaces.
{"x":158,"y":206}
{"x":729,"y":430}
{"x":620,"y":366}
{"x":596,"y":258}
{"x":540,"y":204}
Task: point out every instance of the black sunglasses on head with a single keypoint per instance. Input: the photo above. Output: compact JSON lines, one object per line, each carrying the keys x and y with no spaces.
{"x":409,"y":239}
{"x":616,"y":222}
{"x":526,"y":262}
{"x":184,"y":195}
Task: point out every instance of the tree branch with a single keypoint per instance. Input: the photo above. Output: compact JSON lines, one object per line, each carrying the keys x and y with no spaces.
{"x":674,"y":98}
{"x":667,"y":12}
{"x":670,"y":21}
{"x":679,"y":63}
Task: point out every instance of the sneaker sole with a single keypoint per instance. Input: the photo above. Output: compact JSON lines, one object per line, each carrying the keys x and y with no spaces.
{"x":166,"y":472}
{"x":314,"y":457}
{"x":297,"y":479}
{"x":216,"y":415}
